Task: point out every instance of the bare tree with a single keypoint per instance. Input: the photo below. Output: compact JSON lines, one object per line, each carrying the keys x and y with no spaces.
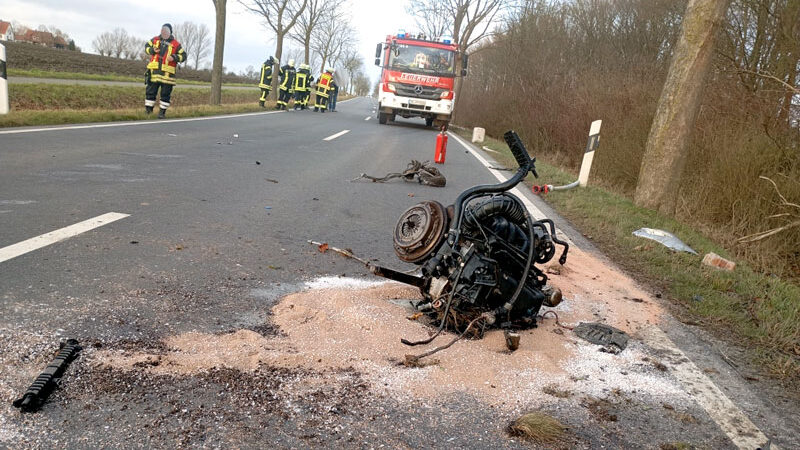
{"x":352,"y":64}
{"x":306,"y":25}
{"x":432,"y":17}
{"x":469,"y":22}
{"x":665,"y":153}
{"x":219,"y":48}
{"x":134,"y":49}
{"x":104,"y":44}
{"x":332,"y":35}
{"x":280,"y":16}
{"x":119,"y":41}
{"x":195,"y":39}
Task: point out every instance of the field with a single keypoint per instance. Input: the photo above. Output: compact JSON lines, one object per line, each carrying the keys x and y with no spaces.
{"x":24,"y":56}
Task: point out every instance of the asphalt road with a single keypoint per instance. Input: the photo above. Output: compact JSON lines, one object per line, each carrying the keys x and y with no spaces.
{"x":218,"y":209}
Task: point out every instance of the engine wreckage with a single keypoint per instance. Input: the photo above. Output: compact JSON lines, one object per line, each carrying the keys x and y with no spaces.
{"x":478,"y":257}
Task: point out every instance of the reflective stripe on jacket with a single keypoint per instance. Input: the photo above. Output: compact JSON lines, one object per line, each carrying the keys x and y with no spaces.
{"x":265,"y":82}
{"x":161,"y":69}
{"x":286,"y":78}
{"x":324,"y":84}
{"x":301,"y":80}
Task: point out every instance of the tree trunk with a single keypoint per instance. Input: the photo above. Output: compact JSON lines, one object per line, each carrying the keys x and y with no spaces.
{"x":219,"y":48}
{"x":458,"y":81}
{"x":276,"y":72}
{"x":665,"y":153}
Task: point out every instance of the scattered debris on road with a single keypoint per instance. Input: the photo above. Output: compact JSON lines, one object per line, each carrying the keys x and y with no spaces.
{"x":666,"y":238}
{"x":44,"y":384}
{"x":613,"y":340}
{"x":478,"y":259}
{"x":422,"y":172}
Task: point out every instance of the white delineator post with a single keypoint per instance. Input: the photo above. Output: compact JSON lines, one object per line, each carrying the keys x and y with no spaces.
{"x":588,"y":156}
{"x":478,"y":134}
{"x":3,"y":82}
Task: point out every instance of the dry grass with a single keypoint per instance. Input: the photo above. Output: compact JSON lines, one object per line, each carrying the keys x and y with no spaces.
{"x":748,"y":308}
{"x":538,"y":427}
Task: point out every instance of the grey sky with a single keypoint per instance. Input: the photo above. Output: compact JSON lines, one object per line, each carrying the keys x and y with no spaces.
{"x":247,"y":42}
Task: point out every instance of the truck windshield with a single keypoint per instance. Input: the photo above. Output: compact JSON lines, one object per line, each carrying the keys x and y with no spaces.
{"x":417,"y":59}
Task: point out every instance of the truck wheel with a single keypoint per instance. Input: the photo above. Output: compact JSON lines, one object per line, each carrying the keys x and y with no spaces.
{"x":428,"y":122}
{"x":382,"y":117}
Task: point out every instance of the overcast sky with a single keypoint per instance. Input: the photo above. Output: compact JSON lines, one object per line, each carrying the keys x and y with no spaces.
{"x":247,"y":41}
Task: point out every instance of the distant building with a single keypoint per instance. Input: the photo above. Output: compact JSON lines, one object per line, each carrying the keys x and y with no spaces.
{"x":43,"y":38}
{"x":6,"y":31}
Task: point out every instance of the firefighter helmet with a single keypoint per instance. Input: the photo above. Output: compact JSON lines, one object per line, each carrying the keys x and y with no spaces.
{"x":291,"y":63}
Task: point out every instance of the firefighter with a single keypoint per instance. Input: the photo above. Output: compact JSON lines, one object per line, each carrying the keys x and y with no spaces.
{"x":302,"y":83}
{"x":334,"y":93}
{"x":323,"y":87}
{"x":285,"y":85}
{"x":165,"y":54}
{"x":265,"y":82}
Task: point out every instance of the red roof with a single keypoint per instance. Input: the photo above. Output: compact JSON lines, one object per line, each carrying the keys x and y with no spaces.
{"x":37,"y":37}
{"x":4,"y":26}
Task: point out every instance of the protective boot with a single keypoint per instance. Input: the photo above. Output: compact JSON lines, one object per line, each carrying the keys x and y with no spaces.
{"x":162,"y":113}
{"x":261,"y":104}
{"x":148,"y":110}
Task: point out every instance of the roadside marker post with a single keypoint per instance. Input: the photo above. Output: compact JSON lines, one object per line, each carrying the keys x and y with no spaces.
{"x":586,"y":164}
{"x":3,"y":81}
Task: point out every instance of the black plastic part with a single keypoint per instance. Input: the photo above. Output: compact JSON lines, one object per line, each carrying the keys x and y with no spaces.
{"x":519,"y":151}
{"x":44,"y":384}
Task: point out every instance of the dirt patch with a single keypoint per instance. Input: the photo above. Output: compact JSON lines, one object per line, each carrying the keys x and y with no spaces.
{"x":345,"y":324}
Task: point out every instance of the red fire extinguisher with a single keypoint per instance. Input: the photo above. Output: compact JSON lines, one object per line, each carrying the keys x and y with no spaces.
{"x":441,"y":147}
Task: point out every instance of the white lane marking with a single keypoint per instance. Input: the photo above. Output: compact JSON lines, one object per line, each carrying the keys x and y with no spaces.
{"x":719,"y":407}
{"x":133,"y":124}
{"x":334,"y":136}
{"x":369,"y":117}
{"x":35,"y":243}
{"x":722,"y":410}
{"x":17,"y":202}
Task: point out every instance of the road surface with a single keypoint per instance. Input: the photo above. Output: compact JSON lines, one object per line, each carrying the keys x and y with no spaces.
{"x":199,"y":227}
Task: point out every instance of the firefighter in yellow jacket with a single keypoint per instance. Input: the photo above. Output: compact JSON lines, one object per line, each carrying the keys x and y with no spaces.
{"x":265,"y":82}
{"x":165,"y":54}
{"x":302,"y":86}
{"x":323,"y":89}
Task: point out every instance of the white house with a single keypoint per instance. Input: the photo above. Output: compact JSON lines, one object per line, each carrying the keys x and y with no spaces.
{"x":6,"y":31}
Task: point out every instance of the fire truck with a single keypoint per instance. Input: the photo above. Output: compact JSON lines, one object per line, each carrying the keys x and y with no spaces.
{"x":417,"y":76}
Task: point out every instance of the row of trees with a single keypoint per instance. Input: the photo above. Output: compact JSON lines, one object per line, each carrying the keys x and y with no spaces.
{"x":549,"y":68}
{"x":195,"y":39}
{"x":322,"y":31}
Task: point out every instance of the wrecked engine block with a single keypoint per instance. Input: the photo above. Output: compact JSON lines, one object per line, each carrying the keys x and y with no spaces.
{"x":478,"y":256}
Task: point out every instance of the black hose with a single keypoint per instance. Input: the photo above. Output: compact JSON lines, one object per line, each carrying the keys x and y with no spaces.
{"x":496,"y":205}
{"x":528,"y":264}
{"x":563,"y":258}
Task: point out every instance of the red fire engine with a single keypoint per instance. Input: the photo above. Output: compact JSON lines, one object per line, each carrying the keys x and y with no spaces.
{"x":417,"y":77}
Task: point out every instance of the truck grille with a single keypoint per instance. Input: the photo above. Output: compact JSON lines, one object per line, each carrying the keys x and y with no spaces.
{"x":427,"y":93}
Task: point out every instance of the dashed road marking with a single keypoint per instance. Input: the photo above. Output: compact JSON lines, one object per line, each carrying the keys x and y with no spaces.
{"x":739,"y":429}
{"x":334,"y":136}
{"x":35,"y":243}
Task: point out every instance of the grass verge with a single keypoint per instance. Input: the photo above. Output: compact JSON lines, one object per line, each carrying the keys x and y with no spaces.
{"x":759,"y":312}
{"x":36,"y":73}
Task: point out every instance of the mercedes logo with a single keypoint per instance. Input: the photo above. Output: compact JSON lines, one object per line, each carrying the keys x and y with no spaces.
{"x":418,"y":89}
